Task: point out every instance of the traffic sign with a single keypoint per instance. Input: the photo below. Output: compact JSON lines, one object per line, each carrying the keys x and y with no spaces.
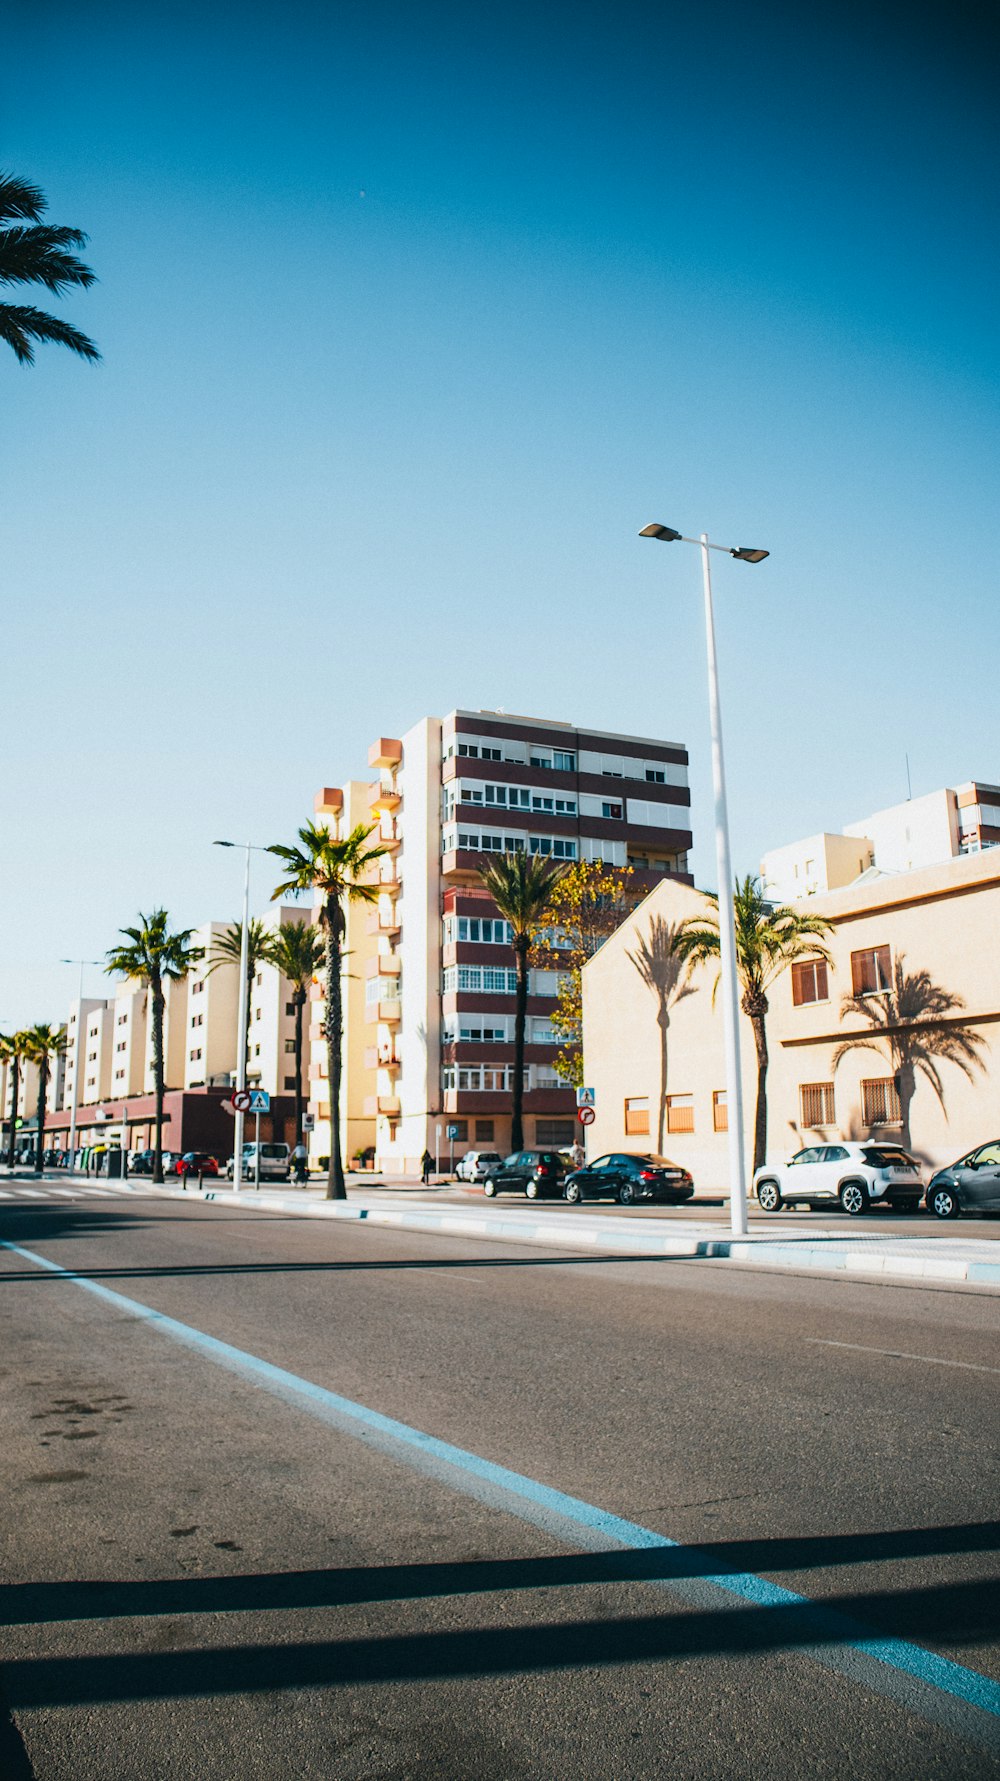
{"x":260,"y":1101}
{"x":586,"y":1115}
{"x":308,"y":1122}
{"x":241,"y":1100}
{"x":453,"y":1131}
{"x":585,"y":1097}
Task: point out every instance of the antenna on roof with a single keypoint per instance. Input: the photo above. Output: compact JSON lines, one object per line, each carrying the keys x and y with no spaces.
{"x":909,"y":788}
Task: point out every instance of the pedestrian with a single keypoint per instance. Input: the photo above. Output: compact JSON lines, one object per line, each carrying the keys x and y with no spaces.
{"x":426,"y":1165}
{"x":300,"y":1159}
{"x":577,"y":1156}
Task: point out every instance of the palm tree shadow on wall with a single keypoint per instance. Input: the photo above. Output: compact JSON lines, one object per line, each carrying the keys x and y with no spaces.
{"x":915,"y":1023}
{"x":659,"y":964}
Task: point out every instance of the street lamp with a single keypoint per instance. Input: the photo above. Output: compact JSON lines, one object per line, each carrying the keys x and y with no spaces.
{"x":77,"y":1053}
{"x":241,"y":1014}
{"x":727,"y":931}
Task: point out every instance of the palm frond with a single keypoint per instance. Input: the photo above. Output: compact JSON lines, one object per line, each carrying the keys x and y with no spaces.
{"x":40,"y":255}
{"x":521,"y":885}
{"x":18,"y":197}
{"x":20,"y":326}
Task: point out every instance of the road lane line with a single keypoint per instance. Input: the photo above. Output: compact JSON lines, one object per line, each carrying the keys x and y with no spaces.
{"x":930,"y":1360}
{"x":962,"y":1700}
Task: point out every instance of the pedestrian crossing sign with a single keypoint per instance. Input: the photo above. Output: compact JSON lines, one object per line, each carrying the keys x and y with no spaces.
{"x":260,"y":1101}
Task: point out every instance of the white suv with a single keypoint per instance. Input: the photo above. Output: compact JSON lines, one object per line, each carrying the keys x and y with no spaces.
{"x":476,"y":1164}
{"x":854,"y":1175}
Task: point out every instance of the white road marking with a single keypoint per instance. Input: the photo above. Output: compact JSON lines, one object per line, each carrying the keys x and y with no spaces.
{"x":930,"y":1360}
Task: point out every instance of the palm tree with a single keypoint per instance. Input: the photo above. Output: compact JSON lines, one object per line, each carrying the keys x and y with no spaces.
{"x":521,"y":885}
{"x":341,"y":872}
{"x":154,"y":956}
{"x":658,"y":961}
{"x":15,"y":1057}
{"x":227,"y":949}
{"x":42,"y":1044}
{"x":769,"y":938}
{"x":296,"y":950}
{"x":915,"y":1023}
{"x":37,"y":254}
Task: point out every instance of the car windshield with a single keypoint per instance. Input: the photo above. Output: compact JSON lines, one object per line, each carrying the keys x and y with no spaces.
{"x":887,"y":1159}
{"x":656,"y":1162}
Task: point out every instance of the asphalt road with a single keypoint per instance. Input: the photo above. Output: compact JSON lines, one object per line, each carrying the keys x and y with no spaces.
{"x":220,"y":1559}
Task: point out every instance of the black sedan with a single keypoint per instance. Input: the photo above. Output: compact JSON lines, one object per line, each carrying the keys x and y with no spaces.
{"x":970,"y":1185}
{"x":628,"y":1179}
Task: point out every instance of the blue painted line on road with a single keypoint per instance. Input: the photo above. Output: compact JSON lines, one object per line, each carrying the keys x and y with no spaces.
{"x":926,"y":1668}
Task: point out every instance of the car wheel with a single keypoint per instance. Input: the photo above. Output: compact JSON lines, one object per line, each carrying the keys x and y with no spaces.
{"x":854,"y":1199}
{"x":573,"y":1192}
{"x":626,"y":1194}
{"x":531,"y":1190}
{"x":489,"y":1189}
{"x":943,"y":1202}
{"x":769,"y":1196}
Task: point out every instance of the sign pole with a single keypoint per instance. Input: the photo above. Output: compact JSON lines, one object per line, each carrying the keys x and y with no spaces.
{"x":256,"y":1167}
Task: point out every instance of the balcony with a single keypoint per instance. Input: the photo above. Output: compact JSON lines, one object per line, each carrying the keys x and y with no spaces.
{"x":386,"y":834}
{"x":384,"y":964}
{"x":329,"y":802}
{"x":385,"y":751}
{"x":390,"y":1013}
{"x":385,"y":1105}
{"x":384,"y":795}
{"x":383,"y":921}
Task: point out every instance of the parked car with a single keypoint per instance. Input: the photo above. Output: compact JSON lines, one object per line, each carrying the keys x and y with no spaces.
{"x":972,"y":1184}
{"x":274,"y":1164}
{"x":538,"y":1174}
{"x":627,"y":1177}
{"x":475,"y":1165}
{"x":141,"y":1162}
{"x":197,"y":1162}
{"x":853,"y":1175}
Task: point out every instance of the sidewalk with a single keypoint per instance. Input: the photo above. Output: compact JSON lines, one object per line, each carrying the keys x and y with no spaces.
{"x":945,"y":1260}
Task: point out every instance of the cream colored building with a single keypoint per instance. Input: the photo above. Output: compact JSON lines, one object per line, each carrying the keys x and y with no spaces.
{"x":341,"y":809}
{"x":98,"y":1050}
{"x":76,"y":1033}
{"x":942,"y":920}
{"x":128,"y":1060}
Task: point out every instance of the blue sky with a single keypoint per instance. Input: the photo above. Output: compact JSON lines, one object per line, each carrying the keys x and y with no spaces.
{"x":411,"y":317}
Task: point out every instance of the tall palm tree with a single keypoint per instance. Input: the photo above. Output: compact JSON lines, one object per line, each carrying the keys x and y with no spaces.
{"x":769,"y":938}
{"x":296,"y":950}
{"x":227,"y":949}
{"x":42,"y":1044}
{"x":658,"y":961}
{"x":914,"y":1023}
{"x":33,"y":252}
{"x":522,"y":886}
{"x":342,"y":873}
{"x":10,"y":1055}
{"x":153,"y":956}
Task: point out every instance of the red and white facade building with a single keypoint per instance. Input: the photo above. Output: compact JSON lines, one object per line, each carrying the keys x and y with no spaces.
{"x":439,"y":995}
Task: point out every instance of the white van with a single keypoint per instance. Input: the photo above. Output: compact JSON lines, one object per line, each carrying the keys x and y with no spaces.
{"x":274,"y":1164}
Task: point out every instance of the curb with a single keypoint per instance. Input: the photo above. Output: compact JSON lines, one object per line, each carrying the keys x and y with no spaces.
{"x":834,"y":1255}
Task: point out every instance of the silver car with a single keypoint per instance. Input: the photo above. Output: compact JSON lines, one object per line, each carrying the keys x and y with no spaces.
{"x":852,"y":1175}
{"x":476,"y":1164}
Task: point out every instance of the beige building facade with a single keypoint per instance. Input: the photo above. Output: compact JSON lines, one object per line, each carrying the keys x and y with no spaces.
{"x":941,"y":921}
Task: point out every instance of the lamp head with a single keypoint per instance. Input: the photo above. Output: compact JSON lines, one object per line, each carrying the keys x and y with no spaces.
{"x":223,"y":844}
{"x":746,"y":555}
{"x":666,"y":534}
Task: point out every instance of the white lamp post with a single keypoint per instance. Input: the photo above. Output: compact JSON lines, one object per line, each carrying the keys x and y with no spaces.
{"x":76,"y":1058}
{"x":241,"y":1014}
{"x":727,"y":931}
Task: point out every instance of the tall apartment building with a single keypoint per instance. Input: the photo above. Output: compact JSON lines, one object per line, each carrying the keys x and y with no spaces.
{"x":76,"y":1034}
{"x":924,"y":831}
{"x":98,"y":1050}
{"x":128,"y":1059}
{"x":439,"y":990}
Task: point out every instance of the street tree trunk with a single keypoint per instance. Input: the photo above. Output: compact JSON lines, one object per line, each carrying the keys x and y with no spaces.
{"x":663,"y":1021}
{"x":43,"y":1090}
{"x":334,"y":1028}
{"x":156,"y":991}
{"x":521,"y":945}
{"x":15,"y":1087}
{"x":299,"y":1000}
{"x":760,"y":1117}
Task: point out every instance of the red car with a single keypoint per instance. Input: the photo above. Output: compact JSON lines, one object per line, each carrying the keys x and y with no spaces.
{"x":197,"y":1162}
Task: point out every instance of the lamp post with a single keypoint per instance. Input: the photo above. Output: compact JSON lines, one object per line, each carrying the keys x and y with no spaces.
{"x":727,"y":931}
{"x":241,"y":1015}
{"x":76,"y":1058}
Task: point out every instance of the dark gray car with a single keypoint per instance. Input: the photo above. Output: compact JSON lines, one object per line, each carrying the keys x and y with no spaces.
{"x":970,"y":1185}
{"x":536,"y":1173}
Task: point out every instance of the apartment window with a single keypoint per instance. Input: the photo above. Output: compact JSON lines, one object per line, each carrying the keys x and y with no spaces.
{"x":122,"y":1045}
{"x":554,"y":1132}
{"x":259,"y":978}
{"x":636,"y":1114}
{"x":469,"y":749}
{"x":381,"y":989}
{"x":472,"y":928}
{"x":871,"y":971}
{"x":656,"y":776}
{"x":490,"y":979}
{"x":197,"y":1020}
{"x":461,"y":1130}
{"x":122,"y":1019}
{"x":256,"y":1051}
{"x":479,"y":1078}
{"x":119,"y":1075}
{"x":612,"y":811}
{"x":541,"y":760}
{"x":680,"y":1113}
{"x":196,"y":988}
{"x":480,"y":1032}
{"x":290,"y":1082}
{"x":816,"y":1104}
{"x":880,"y":1101}
{"x":289,"y":1007}
{"x":91,"y":1057}
{"x":193,"y":1056}
{"x":563,"y":762}
{"x":720,"y":1110}
{"x":809,"y":982}
{"x":72,"y":1020}
{"x":290,"y":1047}
{"x":258,"y":1014}
{"x":484,"y":1131}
